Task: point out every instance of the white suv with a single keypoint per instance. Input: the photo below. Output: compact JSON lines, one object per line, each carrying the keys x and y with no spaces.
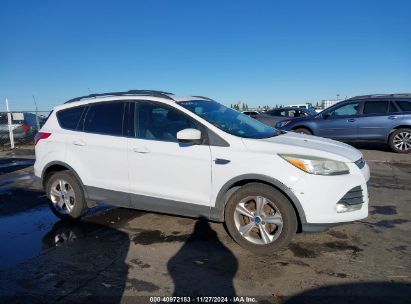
{"x":192,"y":156}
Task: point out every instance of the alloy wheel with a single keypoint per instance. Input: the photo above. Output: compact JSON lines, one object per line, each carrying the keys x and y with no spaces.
{"x":62,"y":196}
{"x":258,"y":220}
{"x":402,"y":141}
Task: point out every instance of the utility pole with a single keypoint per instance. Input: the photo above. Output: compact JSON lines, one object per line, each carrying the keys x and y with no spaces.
{"x":10,"y":123}
{"x":37,"y":116}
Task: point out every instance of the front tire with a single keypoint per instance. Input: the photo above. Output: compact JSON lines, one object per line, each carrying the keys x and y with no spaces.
{"x":260,"y":218}
{"x":66,"y":195}
{"x":400,"y":140}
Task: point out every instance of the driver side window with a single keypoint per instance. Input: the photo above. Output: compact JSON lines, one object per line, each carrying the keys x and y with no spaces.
{"x":160,"y":122}
{"x":345,"y":110}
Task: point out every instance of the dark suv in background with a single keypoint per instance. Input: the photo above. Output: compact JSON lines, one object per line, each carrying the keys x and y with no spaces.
{"x":370,"y":118}
{"x":24,"y":128}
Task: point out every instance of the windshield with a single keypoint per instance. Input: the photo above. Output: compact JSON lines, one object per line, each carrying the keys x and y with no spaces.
{"x":311,"y":111}
{"x":229,"y":120}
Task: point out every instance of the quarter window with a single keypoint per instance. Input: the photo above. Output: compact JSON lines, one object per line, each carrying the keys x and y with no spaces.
{"x":405,"y":105}
{"x":375,"y":107}
{"x":69,"y":118}
{"x":160,"y":122}
{"x":105,"y":118}
{"x":346,"y":110}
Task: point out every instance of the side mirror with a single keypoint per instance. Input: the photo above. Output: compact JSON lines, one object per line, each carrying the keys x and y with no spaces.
{"x":326,"y":115}
{"x":191,"y":136}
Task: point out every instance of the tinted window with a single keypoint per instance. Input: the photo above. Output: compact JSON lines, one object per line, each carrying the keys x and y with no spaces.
{"x":348,"y":109}
{"x":3,"y":119}
{"x":392,"y":108}
{"x":105,"y":118}
{"x":375,"y":107}
{"x":274,"y":113}
{"x":69,"y":118}
{"x":160,"y":122}
{"x":405,"y":105}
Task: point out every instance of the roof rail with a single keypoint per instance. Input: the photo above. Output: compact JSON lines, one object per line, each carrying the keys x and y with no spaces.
{"x":399,"y":95}
{"x":202,"y":97}
{"x":126,"y":93}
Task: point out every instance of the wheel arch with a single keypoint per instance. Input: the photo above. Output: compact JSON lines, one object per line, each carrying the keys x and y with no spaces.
{"x":229,"y":188}
{"x":395,"y":129}
{"x":302,"y":127}
{"x":56,"y":166}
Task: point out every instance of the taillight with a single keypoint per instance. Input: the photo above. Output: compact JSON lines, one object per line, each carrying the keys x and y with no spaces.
{"x":41,"y":135}
{"x":26,"y":127}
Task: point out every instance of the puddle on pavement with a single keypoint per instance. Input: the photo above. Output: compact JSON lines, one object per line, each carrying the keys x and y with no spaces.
{"x":313,"y":250}
{"x":5,"y":182}
{"x":21,"y":235}
{"x":8,"y":165}
{"x":149,"y":237}
{"x":385,"y":210}
{"x":26,"y":234}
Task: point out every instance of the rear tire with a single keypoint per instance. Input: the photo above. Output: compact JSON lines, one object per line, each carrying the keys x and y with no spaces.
{"x":66,"y":195}
{"x":263,"y":231}
{"x":400,"y":140}
{"x":303,"y":131}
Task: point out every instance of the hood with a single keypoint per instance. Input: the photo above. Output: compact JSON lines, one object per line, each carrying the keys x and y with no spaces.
{"x":302,"y":144}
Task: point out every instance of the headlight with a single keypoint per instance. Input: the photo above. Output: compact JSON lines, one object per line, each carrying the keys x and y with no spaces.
{"x":282,"y":123}
{"x":316,"y":165}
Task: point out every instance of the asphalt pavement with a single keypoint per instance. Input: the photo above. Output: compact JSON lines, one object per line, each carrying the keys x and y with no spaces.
{"x":117,"y":255}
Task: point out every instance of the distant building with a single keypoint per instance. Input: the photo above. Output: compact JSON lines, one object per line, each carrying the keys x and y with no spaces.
{"x":329,"y":102}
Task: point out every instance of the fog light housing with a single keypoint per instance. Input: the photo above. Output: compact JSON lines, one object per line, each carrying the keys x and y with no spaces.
{"x":342,"y":207}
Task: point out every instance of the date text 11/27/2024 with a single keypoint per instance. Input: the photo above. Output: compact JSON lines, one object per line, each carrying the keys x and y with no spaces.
{"x":203,"y":299}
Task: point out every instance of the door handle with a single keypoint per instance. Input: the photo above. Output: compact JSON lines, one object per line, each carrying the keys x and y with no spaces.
{"x":392,"y":117}
{"x":141,"y":150}
{"x":351,"y":120}
{"x":79,"y":142}
{"x":221,"y":161}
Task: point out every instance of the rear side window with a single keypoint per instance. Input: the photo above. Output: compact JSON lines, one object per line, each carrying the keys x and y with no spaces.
{"x":392,"y":108}
{"x":376,"y":107}
{"x":405,"y":105}
{"x":69,"y":118}
{"x":105,"y":118}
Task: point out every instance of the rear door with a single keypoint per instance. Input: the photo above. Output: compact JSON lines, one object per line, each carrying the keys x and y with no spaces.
{"x":339,"y":122}
{"x":98,"y":152}
{"x":376,"y":121}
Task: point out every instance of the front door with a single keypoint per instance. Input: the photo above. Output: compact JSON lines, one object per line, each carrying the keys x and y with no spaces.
{"x":340,"y":122}
{"x":166,"y":175}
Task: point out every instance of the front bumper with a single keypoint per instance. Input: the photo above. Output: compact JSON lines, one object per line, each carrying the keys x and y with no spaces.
{"x":319,"y":196}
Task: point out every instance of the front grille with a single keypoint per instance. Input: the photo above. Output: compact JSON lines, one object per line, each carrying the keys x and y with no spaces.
{"x":353,"y":197}
{"x":360,"y":163}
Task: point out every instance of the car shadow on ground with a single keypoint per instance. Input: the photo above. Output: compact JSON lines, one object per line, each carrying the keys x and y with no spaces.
{"x":203,"y":266}
{"x":355,"y":293}
{"x":371,"y":146}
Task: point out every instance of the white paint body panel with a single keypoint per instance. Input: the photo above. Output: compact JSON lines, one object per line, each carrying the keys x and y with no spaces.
{"x":169,"y":170}
{"x":189,"y":173}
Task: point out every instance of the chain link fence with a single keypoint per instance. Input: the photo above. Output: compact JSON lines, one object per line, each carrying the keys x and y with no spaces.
{"x":18,"y":128}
